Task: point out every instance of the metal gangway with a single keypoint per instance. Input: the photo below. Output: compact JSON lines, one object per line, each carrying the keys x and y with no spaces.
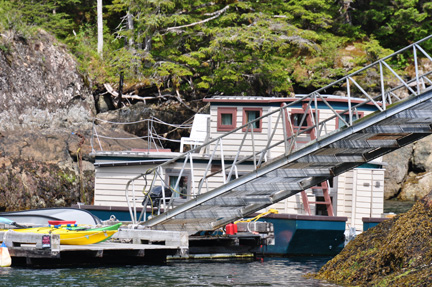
{"x":404,"y":115}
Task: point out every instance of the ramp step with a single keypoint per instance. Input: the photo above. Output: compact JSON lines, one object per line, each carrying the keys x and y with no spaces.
{"x":364,"y":144}
{"x":214,"y":212}
{"x":270,"y":186}
{"x":333,"y":159}
{"x":405,"y":128}
{"x":237,"y":201}
{"x":291,"y":172}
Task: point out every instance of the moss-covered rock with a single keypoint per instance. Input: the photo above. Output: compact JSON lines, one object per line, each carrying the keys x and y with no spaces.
{"x":397,"y":252}
{"x":35,"y":184}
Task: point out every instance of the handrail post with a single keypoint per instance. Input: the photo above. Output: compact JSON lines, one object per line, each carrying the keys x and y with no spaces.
{"x":382,"y":86}
{"x":416,"y":68}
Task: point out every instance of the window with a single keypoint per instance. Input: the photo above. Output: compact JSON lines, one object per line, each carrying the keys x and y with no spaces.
{"x":250,"y":114}
{"x":296,"y":120}
{"x":182,"y":188}
{"x":340,"y":123}
{"x":226,"y":119}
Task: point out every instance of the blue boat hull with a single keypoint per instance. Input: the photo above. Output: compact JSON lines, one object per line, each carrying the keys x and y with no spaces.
{"x":297,"y":235}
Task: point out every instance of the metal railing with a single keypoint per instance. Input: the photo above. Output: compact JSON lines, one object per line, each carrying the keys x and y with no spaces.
{"x":229,"y":164}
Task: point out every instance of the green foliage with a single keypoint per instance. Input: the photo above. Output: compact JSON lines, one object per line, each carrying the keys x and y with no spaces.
{"x":235,"y":47}
{"x":48,"y":14}
{"x":249,"y":48}
{"x":11,"y":19}
{"x":374,"y":51}
{"x":100,"y":69}
{"x":395,"y":23}
{"x":67,"y":177}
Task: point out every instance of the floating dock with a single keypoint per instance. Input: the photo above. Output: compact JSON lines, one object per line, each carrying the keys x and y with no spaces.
{"x":128,"y":246}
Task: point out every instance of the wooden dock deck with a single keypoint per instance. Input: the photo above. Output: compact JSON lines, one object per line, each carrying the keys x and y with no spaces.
{"x":129,"y":247}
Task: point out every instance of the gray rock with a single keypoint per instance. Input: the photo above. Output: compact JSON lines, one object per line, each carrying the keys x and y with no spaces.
{"x":416,"y":186}
{"x":40,"y":86}
{"x":43,"y":99}
{"x":422,"y":157}
{"x":396,"y":170}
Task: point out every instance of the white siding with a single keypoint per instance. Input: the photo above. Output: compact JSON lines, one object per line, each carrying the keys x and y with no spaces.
{"x":366,"y":187}
{"x":110,"y":185}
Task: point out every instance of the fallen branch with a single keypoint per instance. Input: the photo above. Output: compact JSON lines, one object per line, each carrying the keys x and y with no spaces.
{"x":136,"y":97}
{"x":216,"y":14}
{"x":181,"y":101}
{"x":111,"y":90}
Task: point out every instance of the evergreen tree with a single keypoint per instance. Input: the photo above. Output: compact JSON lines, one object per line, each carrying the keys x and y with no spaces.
{"x":250,"y":47}
{"x":395,"y":23}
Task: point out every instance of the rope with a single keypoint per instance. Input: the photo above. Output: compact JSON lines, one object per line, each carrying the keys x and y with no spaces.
{"x":271,"y":210}
{"x":151,"y":135}
{"x":152,"y":119}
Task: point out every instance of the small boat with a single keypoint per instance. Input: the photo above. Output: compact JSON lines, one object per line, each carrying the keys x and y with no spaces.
{"x":68,"y":236}
{"x":44,"y":215}
{"x":83,"y":227}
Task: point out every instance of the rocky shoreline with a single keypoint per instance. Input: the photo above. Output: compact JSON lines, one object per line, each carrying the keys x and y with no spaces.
{"x":397,"y":252}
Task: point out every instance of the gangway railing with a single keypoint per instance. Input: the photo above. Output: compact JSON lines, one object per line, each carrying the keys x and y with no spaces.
{"x":408,"y":88}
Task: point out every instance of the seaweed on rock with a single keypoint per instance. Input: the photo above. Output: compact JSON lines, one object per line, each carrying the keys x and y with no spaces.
{"x":397,"y":252}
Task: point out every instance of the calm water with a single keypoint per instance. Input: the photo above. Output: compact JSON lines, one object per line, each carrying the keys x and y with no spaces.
{"x":271,"y":272}
{"x":397,"y":206}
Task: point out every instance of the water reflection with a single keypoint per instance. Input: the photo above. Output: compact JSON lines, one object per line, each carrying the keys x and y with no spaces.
{"x":270,"y":272}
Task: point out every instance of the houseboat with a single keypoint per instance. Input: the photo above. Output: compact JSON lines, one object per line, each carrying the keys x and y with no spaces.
{"x":312,"y":221}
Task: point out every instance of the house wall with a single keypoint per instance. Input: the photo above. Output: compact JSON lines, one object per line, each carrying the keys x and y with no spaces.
{"x":110,"y":185}
{"x":231,"y":143}
{"x":360,"y":194}
{"x":111,"y":182}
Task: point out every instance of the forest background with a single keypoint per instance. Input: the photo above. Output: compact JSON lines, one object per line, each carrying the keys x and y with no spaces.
{"x":196,"y":48}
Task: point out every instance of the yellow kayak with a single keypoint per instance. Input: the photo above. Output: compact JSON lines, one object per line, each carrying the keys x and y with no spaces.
{"x":73,"y":237}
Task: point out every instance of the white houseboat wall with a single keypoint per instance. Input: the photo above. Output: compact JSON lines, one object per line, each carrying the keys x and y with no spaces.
{"x":354,"y":194}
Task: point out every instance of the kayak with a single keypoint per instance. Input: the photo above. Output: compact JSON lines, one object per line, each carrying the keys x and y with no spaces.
{"x":68,"y":236}
{"x":108,"y":227}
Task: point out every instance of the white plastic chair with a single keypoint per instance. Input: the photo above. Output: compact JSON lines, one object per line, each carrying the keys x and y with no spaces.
{"x":199,"y":133}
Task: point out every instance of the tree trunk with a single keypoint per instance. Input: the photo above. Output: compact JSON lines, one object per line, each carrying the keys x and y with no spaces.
{"x":100,"y":27}
{"x":130,"y":26}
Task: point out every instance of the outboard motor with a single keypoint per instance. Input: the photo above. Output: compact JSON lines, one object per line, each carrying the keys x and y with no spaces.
{"x":156,"y":196}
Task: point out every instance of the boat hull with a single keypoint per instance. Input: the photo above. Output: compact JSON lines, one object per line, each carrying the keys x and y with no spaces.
{"x":42,"y":216}
{"x":304,"y":235}
{"x":76,"y":237}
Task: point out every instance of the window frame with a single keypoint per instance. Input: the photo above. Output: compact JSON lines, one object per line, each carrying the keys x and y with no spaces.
{"x":226,"y":110}
{"x":308,"y":119}
{"x":169,"y":172}
{"x":245,"y":121}
{"x":360,"y":114}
